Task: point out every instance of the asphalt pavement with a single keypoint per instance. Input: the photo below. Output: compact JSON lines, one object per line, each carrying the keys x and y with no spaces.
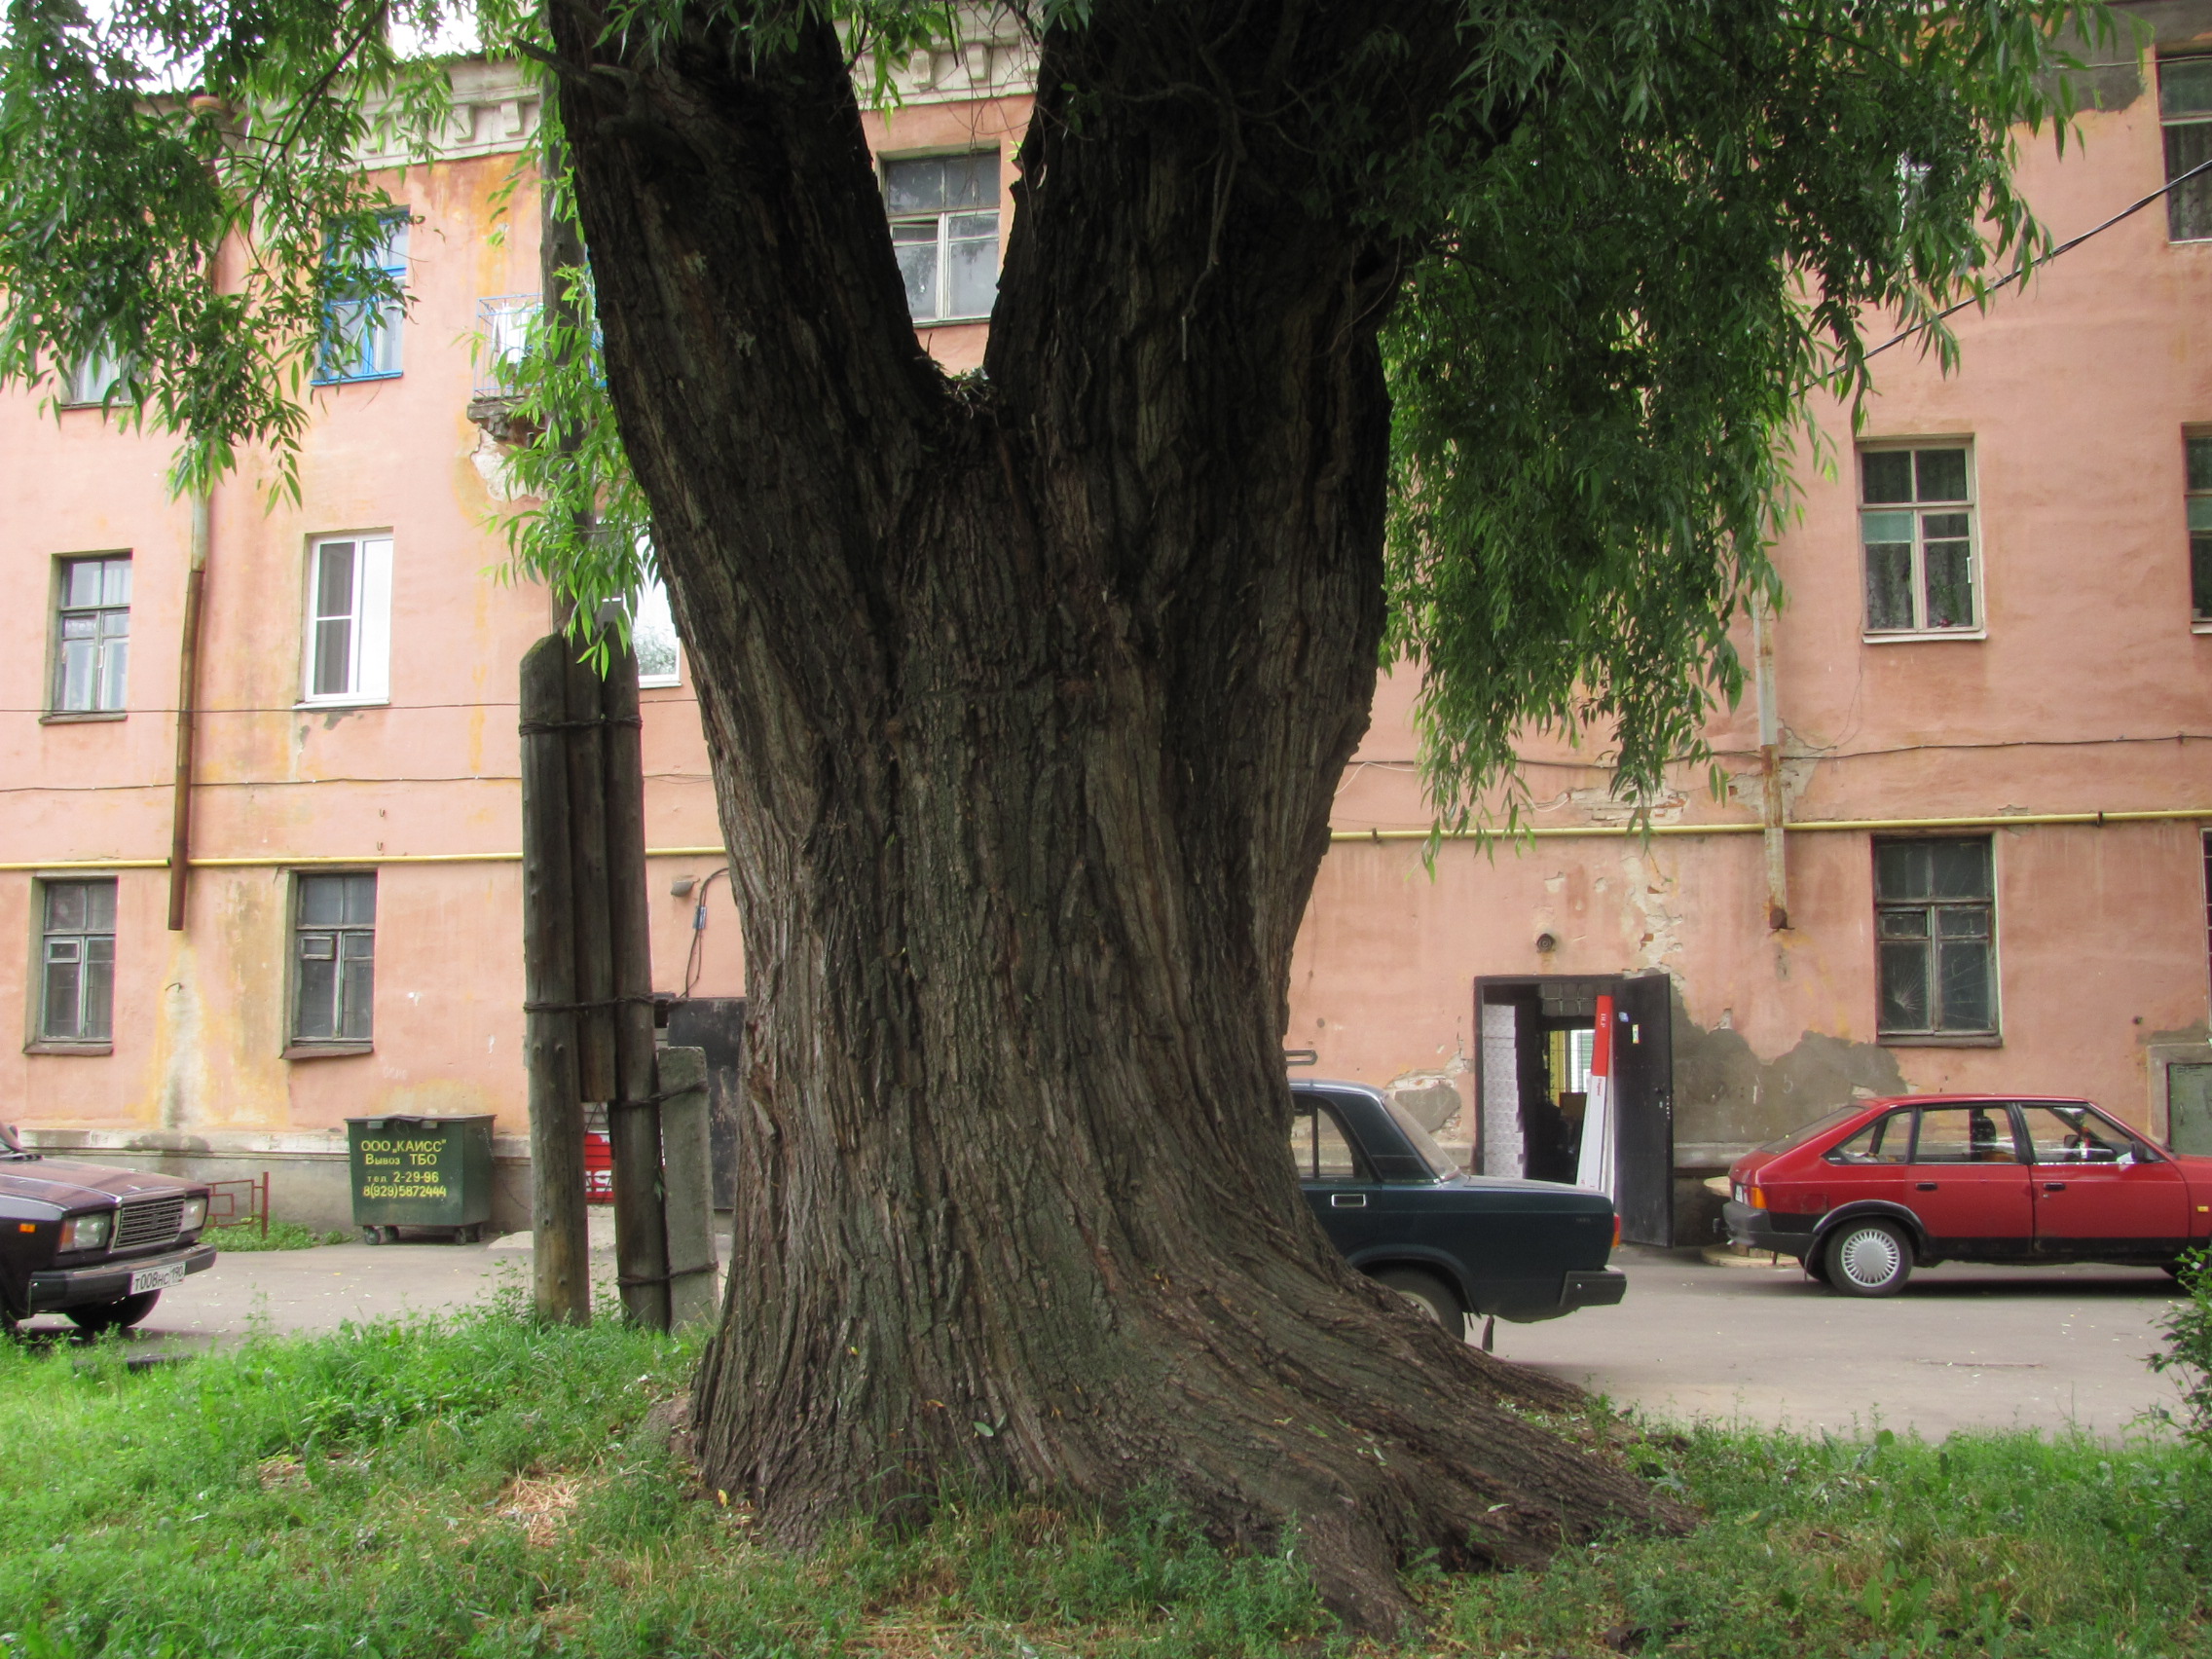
{"x":1962,"y":1347}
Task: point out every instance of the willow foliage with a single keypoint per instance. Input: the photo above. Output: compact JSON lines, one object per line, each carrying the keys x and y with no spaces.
{"x":1648,"y":230}
{"x":1602,"y":362}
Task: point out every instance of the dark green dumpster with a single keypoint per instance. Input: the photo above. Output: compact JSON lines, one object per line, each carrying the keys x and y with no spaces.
{"x":421,"y":1173}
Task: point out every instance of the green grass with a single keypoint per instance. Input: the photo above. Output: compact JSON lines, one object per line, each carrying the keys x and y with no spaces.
{"x":479,"y":1488}
{"x":282,"y":1236}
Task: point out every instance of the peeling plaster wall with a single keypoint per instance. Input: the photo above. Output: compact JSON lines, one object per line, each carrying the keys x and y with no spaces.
{"x":2086,"y":689}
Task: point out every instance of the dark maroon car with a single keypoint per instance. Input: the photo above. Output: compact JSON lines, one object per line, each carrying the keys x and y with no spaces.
{"x":1867,"y":1192}
{"x":95,"y":1244}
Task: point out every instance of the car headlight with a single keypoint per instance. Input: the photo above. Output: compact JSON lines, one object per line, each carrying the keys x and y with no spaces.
{"x":195,"y":1215}
{"x":87,"y":1231}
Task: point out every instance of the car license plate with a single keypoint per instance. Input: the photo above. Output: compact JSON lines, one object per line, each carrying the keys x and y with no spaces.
{"x":156,"y":1279}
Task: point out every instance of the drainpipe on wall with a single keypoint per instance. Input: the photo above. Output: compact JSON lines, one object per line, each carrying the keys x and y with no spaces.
{"x":187,"y":699}
{"x":1773,"y":810}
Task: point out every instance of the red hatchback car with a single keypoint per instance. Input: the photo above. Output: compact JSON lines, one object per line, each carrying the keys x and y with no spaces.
{"x":1867,"y":1192}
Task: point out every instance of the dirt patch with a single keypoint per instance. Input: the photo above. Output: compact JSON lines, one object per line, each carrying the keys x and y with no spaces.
{"x":540,"y":1502}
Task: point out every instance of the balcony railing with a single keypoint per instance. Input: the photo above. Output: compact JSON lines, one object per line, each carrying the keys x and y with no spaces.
{"x":503,"y":334}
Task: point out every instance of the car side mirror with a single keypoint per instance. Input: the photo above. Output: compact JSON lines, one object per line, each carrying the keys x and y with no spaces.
{"x":9,"y":1141}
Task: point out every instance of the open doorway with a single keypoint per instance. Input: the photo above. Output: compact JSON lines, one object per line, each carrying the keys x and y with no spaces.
{"x":1537,"y":1037}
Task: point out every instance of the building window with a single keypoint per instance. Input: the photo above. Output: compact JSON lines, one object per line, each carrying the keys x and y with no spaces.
{"x":360,"y":322}
{"x":334,"y":954}
{"x":652,"y":635}
{"x":2201,"y":530}
{"x":348,"y":626}
{"x":1936,"y":935}
{"x":1916,"y":524}
{"x":93,"y":378}
{"x":2185,"y":105}
{"x":945,"y":228}
{"x":77,"y":961}
{"x":91,"y":634}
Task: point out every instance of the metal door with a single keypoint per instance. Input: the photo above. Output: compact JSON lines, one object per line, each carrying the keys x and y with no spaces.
{"x":1643,"y":1108}
{"x":2189,"y":1110}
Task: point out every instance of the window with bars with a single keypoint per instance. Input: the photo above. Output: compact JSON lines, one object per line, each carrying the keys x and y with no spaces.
{"x":1916,"y":525}
{"x":2185,"y":107}
{"x":361,"y":320}
{"x":349,"y":622}
{"x":945,"y":228}
{"x":91,"y":634}
{"x":2200,"y":452}
{"x":334,"y":939}
{"x":77,"y":961}
{"x":1936,"y":935}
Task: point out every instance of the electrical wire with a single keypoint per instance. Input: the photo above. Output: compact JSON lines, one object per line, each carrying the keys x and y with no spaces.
{"x":2038,"y":263}
{"x":695,"y":963}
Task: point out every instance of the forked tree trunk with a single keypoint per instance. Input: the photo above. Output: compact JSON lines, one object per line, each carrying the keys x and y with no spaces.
{"x":1027,"y":697}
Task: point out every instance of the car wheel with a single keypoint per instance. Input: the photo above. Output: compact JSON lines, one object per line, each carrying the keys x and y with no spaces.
{"x":1816,"y":1265}
{"x":1868,"y":1258}
{"x":117,"y":1316}
{"x":1431,"y":1297}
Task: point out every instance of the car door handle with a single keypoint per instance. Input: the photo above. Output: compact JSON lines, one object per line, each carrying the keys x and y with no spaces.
{"x":1348,"y":1200}
{"x":2054,"y":1186}
{"x":1924,"y":1186}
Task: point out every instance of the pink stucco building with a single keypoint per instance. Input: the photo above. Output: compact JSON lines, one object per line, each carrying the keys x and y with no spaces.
{"x":1968,"y":851}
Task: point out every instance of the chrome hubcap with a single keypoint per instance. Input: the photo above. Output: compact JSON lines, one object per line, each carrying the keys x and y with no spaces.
{"x":1869,"y":1258}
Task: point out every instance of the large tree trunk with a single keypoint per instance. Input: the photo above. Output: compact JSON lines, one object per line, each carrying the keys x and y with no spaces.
{"x":1027,"y":698}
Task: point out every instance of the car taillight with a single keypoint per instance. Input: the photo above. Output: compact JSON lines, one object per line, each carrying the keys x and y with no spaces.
{"x":1616,"y":1233}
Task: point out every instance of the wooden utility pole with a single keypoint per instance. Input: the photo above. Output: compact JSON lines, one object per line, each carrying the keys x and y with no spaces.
{"x":587,"y":857}
{"x":633,"y":1114}
{"x":559,"y":1246}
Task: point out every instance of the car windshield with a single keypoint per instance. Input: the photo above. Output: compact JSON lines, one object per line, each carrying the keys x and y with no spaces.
{"x":1439,"y":1161}
{"x":1798,"y":1137}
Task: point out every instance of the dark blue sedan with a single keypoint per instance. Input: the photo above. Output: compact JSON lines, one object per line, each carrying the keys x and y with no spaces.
{"x":1450,"y":1243}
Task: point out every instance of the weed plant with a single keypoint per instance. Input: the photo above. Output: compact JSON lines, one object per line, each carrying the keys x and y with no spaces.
{"x":2189,"y":1350}
{"x":485,"y":1487}
{"x":281,"y":1236}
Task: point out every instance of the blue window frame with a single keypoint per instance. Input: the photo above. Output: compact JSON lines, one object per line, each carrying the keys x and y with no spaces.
{"x":361,"y":335}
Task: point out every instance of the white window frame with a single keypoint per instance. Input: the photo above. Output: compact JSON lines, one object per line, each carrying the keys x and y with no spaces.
{"x":89,"y":381}
{"x":942,"y":218}
{"x":1979,"y":627}
{"x":368,"y":665}
{"x":106,"y":646}
{"x":651,"y":601}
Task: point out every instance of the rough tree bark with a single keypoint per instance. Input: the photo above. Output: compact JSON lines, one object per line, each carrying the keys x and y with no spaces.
{"x":1027,"y":697}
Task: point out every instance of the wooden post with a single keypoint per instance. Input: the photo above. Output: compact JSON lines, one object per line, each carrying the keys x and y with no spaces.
{"x":187,"y":705}
{"x":559,"y":1247}
{"x":633,"y":1116}
{"x":690,"y":1185}
{"x":587,"y":857}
